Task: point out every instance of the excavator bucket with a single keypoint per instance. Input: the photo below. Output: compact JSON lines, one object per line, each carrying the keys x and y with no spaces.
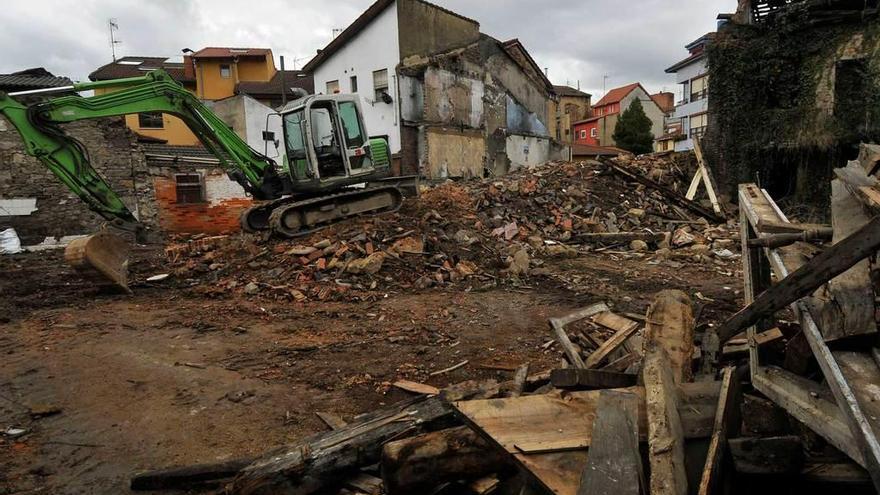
{"x":102,"y":258}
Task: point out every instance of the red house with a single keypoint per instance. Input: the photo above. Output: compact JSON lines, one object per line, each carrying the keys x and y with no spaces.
{"x":598,"y":130}
{"x":587,"y":131}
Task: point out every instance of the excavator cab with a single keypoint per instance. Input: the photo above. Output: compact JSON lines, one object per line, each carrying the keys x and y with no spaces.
{"x":327,"y":146}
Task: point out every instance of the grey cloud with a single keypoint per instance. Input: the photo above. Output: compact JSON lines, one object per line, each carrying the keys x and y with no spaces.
{"x":627,"y":40}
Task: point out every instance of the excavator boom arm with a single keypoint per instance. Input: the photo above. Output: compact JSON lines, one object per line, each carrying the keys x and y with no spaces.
{"x":38,"y":126}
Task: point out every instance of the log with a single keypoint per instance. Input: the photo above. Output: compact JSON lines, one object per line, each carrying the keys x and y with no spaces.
{"x":614,"y":464}
{"x":415,"y":464}
{"x":810,"y":276}
{"x":670,"y":326}
{"x":311,"y":464}
{"x":780,"y":240}
{"x":576,"y":379}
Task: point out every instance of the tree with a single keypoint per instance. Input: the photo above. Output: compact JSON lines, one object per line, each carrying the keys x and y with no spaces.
{"x":633,"y":130}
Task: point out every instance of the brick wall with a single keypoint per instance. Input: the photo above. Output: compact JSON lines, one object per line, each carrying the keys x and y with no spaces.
{"x":113,"y":152}
{"x":219,"y":214}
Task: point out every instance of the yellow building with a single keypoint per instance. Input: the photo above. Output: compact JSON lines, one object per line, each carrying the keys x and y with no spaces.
{"x":570,"y":105}
{"x":211,"y":74}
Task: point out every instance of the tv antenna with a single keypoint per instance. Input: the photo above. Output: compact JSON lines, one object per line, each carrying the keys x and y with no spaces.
{"x":114,"y":26}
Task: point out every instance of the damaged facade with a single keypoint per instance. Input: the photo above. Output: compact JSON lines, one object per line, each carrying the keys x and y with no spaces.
{"x":794,"y":90}
{"x":452,"y":101}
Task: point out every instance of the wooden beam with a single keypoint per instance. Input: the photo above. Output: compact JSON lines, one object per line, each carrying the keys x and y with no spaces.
{"x":665,"y":434}
{"x":624,"y":329}
{"x":182,"y":478}
{"x":669,"y":325}
{"x":806,"y":279}
{"x":614,"y":465}
{"x":669,"y":193}
{"x":571,"y":378}
{"x":727,"y":416}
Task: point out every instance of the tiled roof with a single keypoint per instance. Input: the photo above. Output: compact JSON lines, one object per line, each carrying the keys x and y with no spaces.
{"x":590,"y":119}
{"x":221,"y":52}
{"x":569,"y":91}
{"x":129,"y":67}
{"x":292,"y":79}
{"x":616,"y":94}
{"x":360,"y":23}
{"x":37,"y":78}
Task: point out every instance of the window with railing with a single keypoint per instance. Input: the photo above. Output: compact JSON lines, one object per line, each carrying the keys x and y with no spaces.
{"x":698,"y":125}
{"x":699,"y":88}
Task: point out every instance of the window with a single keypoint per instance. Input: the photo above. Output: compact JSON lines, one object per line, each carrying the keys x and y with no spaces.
{"x":699,"y":88}
{"x":150,"y":120}
{"x":225,"y":71}
{"x":354,"y":84}
{"x":698,"y":124}
{"x":332,"y":87}
{"x":348,"y":113}
{"x":583,"y":134}
{"x":594,"y":132}
{"x":189,"y":188}
{"x":380,"y":83}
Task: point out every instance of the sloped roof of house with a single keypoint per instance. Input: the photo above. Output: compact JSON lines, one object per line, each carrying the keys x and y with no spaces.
{"x":664,"y":100}
{"x":138,"y":66}
{"x":36,"y":78}
{"x":617,"y":94}
{"x":695,"y":54}
{"x":527,"y":62}
{"x":224,"y":52}
{"x":569,"y":91}
{"x":271,"y":88}
{"x":358,"y":25}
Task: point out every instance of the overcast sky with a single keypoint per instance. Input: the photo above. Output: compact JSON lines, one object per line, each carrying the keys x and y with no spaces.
{"x":625,"y":40}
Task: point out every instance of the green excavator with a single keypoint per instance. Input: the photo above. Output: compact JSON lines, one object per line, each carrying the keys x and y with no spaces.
{"x":331,"y":168}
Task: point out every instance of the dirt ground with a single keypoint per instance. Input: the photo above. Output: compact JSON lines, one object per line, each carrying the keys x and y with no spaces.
{"x":108,"y":385}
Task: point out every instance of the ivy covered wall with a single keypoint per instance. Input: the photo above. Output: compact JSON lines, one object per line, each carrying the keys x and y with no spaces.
{"x":790,"y":100}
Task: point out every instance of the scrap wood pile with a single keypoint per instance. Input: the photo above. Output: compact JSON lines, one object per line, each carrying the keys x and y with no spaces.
{"x":475,"y":234}
{"x":531,"y":434}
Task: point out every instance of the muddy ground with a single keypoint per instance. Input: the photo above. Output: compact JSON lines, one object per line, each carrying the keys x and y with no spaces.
{"x":107,"y":385}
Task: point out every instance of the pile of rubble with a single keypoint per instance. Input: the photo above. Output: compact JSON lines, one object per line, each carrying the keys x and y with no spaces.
{"x":474,"y":234}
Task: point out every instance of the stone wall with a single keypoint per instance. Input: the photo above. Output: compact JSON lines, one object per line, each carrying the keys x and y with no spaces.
{"x":115,"y":155}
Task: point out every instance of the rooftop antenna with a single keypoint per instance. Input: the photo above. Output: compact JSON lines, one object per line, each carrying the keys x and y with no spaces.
{"x":114,"y":26}
{"x":336,"y":32}
{"x":579,"y":84}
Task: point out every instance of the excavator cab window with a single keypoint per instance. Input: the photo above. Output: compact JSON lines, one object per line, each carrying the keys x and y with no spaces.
{"x":354,"y":134}
{"x":295,"y":138}
{"x":328,"y":146}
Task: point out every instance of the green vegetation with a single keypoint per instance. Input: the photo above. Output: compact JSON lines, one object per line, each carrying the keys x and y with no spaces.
{"x":633,"y":130}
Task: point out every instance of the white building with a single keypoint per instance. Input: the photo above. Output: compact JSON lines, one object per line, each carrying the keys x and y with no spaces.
{"x":453,"y":102}
{"x":692,"y":109}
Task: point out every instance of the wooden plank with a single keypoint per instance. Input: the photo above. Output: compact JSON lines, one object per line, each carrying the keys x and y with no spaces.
{"x":182,"y":478}
{"x":624,"y":328}
{"x":365,"y":483}
{"x":726,"y":422}
{"x":332,"y":420}
{"x":415,"y":387}
{"x":558,"y":327}
{"x":768,"y":455}
{"x":806,"y":279}
{"x":669,"y":325}
{"x":735,"y":346}
{"x":708,"y":180}
{"x":766,"y":226}
{"x":485,"y":485}
{"x":695,"y":185}
{"x":809,"y":403}
{"x":614,"y":464}
{"x":559,"y":425}
{"x":665,"y":431}
{"x":622,"y":363}
{"x":571,"y":378}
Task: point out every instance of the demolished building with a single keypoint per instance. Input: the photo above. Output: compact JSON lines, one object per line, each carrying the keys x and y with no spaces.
{"x":794,"y":90}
